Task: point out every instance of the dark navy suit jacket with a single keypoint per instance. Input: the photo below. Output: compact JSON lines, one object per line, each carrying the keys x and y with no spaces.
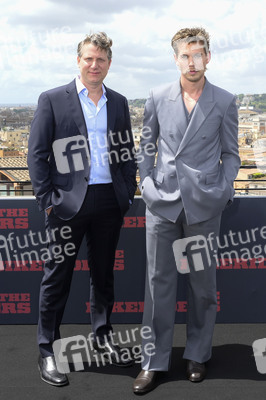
{"x":59,"y":116}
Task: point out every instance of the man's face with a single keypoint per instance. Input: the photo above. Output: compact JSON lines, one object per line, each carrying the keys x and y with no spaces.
{"x":192,"y":60}
{"x":93,"y":65}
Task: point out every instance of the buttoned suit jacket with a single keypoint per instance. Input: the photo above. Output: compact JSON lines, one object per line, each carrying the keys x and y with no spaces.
{"x":201,"y":166}
{"x":58,"y":116}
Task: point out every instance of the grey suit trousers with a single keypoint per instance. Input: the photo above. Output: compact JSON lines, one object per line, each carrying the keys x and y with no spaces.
{"x":161,"y":289}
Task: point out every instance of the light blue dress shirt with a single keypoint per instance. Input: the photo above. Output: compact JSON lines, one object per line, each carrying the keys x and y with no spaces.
{"x":96,"y":122}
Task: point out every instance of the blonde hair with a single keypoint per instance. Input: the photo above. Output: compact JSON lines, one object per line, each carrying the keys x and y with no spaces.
{"x":191,"y":35}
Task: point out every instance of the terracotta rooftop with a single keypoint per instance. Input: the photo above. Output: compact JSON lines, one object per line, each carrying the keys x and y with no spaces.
{"x":15,"y":175}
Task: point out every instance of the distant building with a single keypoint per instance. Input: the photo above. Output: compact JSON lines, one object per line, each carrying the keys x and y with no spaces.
{"x":6,"y":152}
{"x":13,"y":182}
{"x":259,"y":122}
{"x":11,"y":137}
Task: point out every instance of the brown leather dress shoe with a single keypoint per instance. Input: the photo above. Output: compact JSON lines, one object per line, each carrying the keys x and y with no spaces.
{"x":144,"y":382}
{"x":196,"y":372}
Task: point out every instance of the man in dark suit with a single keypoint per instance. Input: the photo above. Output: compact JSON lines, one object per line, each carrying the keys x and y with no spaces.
{"x":81,"y":163}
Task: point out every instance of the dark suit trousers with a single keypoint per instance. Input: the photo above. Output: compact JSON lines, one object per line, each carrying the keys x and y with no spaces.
{"x":100,"y":221}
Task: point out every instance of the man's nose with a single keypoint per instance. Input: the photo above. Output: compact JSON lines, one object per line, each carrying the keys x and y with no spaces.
{"x":190,"y":61}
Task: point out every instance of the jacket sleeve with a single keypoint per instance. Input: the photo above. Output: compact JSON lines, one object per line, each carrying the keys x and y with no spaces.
{"x":229,"y":141}
{"x":148,"y":143}
{"x":129,"y":166}
{"x":39,"y":151}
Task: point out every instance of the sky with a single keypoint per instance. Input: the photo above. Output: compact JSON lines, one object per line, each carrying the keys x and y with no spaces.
{"x":38,"y":41}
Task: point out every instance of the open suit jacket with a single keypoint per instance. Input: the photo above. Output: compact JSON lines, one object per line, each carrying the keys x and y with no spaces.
{"x":59,"y":116}
{"x":197,"y":162}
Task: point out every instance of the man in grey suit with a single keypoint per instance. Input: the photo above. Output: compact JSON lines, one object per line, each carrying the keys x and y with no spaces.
{"x":186,"y":183}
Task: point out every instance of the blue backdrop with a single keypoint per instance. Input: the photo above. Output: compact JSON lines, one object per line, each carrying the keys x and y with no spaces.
{"x":241,"y":266}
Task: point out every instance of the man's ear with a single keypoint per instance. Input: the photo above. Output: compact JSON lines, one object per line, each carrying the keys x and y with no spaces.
{"x":209,"y":57}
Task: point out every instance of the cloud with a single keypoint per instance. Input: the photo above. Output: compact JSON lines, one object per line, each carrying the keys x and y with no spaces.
{"x":38,"y":43}
{"x":46,"y":14}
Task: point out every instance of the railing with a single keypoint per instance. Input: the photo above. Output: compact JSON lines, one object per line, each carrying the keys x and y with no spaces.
{"x":30,"y":190}
{"x":9,"y":183}
{"x":263,"y":188}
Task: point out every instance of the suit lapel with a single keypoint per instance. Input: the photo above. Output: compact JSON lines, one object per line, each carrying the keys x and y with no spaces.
{"x":111,"y":114}
{"x":77,"y":113}
{"x":202,"y":109}
{"x":75,"y":108}
{"x":176,"y":108}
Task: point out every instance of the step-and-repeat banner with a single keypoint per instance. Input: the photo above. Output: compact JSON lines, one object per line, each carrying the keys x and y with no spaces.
{"x":241,"y":265}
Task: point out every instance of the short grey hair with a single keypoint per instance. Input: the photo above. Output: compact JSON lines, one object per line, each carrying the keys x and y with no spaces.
{"x":100,"y":40}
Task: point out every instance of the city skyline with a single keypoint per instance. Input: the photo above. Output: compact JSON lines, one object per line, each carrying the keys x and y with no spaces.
{"x":38,"y":44}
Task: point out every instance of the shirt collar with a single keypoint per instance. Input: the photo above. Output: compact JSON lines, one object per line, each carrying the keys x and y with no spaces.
{"x":80,"y":87}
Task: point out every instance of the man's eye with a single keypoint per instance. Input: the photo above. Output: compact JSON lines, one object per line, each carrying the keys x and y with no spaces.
{"x":197,"y":55}
{"x":184,"y":57}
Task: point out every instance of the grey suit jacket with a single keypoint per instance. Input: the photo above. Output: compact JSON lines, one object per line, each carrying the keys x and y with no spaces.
{"x":201,"y":166}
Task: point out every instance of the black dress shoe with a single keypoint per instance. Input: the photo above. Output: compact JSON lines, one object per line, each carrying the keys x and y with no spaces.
{"x":196,"y":372}
{"x":114,"y":354}
{"x":145,"y":382}
{"x":49,"y":372}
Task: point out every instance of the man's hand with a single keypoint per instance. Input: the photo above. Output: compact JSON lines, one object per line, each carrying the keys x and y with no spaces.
{"x":48,"y":210}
